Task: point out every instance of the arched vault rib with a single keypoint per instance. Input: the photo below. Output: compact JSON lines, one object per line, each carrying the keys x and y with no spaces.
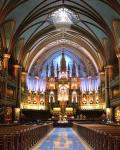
{"x":76,"y":54}
{"x":77,"y":38}
{"x":32,"y":58}
{"x":78,"y":30}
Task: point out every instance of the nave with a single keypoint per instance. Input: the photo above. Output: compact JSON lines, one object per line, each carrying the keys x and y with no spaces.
{"x":59,"y":67}
{"x":45,"y":136}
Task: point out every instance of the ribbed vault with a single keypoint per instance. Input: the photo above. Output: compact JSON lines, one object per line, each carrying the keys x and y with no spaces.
{"x":30,"y":37}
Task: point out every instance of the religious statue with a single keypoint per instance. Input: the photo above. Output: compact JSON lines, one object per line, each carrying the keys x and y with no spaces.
{"x":84,"y":101}
{"x":91,"y":99}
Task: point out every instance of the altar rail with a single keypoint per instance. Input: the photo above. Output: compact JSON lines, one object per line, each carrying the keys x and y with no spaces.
{"x":22,"y":137}
{"x":99,"y":137}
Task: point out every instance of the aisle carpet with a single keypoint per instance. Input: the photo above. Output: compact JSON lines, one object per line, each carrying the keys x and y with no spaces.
{"x":62,"y":139}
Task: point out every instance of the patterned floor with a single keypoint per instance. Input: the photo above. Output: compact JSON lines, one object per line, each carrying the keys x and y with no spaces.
{"x":62,"y":139}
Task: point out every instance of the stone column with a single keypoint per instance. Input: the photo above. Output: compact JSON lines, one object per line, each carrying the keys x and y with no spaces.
{"x":116,"y":31}
{"x":23,"y":80}
{"x":108,"y":77}
{"x":6,"y":57}
{"x":118,"y":56}
{"x":101,"y":92}
{"x":102,"y":78}
{"x":17,"y":76}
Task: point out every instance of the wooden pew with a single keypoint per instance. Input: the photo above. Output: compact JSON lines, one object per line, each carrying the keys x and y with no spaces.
{"x":99,"y":137}
{"x":22,"y":137}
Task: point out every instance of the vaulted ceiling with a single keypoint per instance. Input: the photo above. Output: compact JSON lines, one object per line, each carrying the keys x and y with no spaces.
{"x":27,"y":33}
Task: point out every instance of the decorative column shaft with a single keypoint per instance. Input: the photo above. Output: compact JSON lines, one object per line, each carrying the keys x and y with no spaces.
{"x":118,"y":56}
{"x":17,"y":75}
{"x":6,"y":57}
{"x":101,"y":92}
{"x":108,"y":77}
{"x":23,"y":79}
{"x":116,"y":31}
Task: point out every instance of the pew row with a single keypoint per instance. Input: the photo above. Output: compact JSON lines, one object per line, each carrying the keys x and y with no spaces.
{"x":22,"y":137}
{"x":99,"y":137}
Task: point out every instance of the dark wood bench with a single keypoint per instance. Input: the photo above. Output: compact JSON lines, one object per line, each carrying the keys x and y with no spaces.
{"x":22,"y":137}
{"x":99,"y":137}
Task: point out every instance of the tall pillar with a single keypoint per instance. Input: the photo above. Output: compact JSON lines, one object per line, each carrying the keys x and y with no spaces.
{"x":7,"y":110}
{"x":116,"y":31}
{"x":23,"y":80}
{"x":108,"y":77}
{"x":6,"y":57}
{"x":102,"y":79}
{"x":118,"y":56}
{"x":17,"y":75}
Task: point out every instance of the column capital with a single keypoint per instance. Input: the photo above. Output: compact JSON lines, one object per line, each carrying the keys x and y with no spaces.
{"x":24,"y":73}
{"x":118,"y":56}
{"x":101,"y":73}
{"x":6,"y":55}
{"x":108,"y":66}
{"x":17,"y":66}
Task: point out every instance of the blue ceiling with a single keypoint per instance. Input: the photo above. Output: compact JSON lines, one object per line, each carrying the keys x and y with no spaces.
{"x":56,"y":58}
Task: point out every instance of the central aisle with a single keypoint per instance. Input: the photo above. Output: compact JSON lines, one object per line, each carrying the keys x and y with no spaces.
{"x":62,"y":139}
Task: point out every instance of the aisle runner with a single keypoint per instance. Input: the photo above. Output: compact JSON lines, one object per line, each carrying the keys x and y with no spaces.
{"x":62,"y":139}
